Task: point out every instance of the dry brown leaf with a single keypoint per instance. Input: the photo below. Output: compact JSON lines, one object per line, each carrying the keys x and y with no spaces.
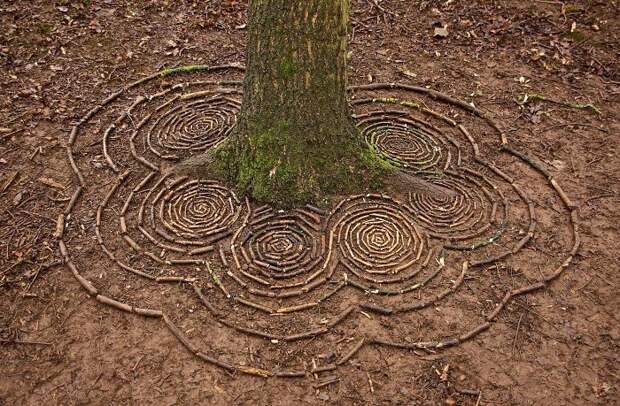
{"x":52,"y":183}
{"x":440,"y":32}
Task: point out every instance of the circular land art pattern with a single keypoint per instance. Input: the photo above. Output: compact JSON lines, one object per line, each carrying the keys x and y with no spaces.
{"x":427,"y":266}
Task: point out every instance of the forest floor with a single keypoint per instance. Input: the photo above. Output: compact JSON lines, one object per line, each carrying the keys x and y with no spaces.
{"x":59,"y":58}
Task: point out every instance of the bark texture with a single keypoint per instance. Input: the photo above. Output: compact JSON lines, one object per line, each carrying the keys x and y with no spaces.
{"x":296,"y":66}
{"x":294,"y":140}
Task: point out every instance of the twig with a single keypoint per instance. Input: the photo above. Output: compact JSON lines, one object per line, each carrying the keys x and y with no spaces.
{"x":12,"y":133}
{"x":601,"y":196}
{"x":372,"y":388}
{"x":528,"y":309}
{"x":16,"y":263}
{"x":378,"y":6}
{"x":39,"y":215}
{"x":8,"y":244}
{"x":24,"y":342}
{"x":58,"y":199}
{"x":327,"y":382}
{"x":514,"y":342}
{"x":14,"y":119}
{"x":36,"y":275}
{"x":534,"y":97}
{"x":472,"y":392}
{"x":549,"y":2}
{"x":56,"y":387}
{"x":9,"y":182}
{"x":601,"y":65}
{"x":585,"y":284}
{"x":316,"y":376}
{"x":137,"y":363}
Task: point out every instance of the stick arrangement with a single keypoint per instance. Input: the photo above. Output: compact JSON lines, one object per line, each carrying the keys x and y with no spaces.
{"x":289,"y":278}
{"x":197,"y":122}
{"x":379,"y":242}
{"x":281,"y":254}
{"x":413,"y":145}
{"x":469,"y":205}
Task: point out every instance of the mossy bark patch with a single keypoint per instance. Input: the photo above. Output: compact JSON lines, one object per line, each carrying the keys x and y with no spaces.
{"x":295,"y":140}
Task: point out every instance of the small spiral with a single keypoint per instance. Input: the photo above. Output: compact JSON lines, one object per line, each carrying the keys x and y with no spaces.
{"x":403,"y":141}
{"x":194,"y":122}
{"x":378,"y":236}
{"x":281,"y":250}
{"x":458,"y":207}
{"x":189,"y":212}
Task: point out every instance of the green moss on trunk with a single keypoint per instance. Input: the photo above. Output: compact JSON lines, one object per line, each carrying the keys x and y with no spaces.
{"x":274,"y":165}
{"x":294,"y":139}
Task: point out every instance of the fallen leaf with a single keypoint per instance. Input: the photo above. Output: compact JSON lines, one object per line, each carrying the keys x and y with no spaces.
{"x":52,"y":183}
{"x":95,"y":26}
{"x":444,"y":374}
{"x":559,"y":165}
{"x":407,"y":72}
{"x":441,"y":32}
{"x":18,"y":198}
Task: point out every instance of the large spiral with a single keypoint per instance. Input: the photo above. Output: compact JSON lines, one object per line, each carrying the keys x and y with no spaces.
{"x":189,"y":251}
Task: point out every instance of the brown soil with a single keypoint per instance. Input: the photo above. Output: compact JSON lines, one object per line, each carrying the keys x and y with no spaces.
{"x":556,"y":346}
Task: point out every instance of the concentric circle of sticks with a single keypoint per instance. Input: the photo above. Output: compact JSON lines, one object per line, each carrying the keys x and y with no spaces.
{"x":378,"y":238}
{"x":195,"y":123}
{"x":461,"y":206}
{"x":281,"y":254}
{"x":404,"y":141}
{"x":478,"y":159}
{"x":393,"y":254}
{"x":190,"y":212}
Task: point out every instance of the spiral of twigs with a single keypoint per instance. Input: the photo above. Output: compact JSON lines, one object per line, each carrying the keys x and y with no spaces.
{"x":252,"y":267}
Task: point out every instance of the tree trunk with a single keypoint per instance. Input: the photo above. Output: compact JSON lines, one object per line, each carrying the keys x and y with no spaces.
{"x":296,"y":67}
{"x":294,"y":139}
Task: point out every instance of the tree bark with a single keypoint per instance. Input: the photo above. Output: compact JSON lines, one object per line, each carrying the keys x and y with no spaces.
{"x":294,"y":140}
{"x":296,"y":67}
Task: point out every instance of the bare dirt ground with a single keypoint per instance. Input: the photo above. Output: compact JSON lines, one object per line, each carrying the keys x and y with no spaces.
{"x":558,"y":346}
